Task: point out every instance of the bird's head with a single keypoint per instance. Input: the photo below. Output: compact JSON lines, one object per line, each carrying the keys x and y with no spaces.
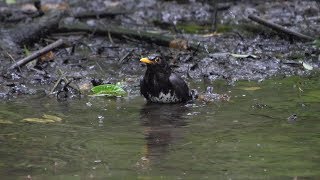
{"x":157,"y":63}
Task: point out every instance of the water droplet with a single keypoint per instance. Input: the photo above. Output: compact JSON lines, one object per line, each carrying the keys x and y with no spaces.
{"x":100,"y":117}
{"x":100,"y":120}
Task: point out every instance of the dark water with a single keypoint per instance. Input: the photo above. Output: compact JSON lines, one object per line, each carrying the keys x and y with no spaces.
{"x":249,"y":137}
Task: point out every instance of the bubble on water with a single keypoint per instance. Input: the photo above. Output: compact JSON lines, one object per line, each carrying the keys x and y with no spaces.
{"x":193,"y":113}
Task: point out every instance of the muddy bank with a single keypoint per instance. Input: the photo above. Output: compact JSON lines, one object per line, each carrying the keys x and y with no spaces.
{"x":240,"y":49}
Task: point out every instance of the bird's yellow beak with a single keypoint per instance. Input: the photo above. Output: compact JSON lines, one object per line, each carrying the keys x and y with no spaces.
{"x":146,"y":60}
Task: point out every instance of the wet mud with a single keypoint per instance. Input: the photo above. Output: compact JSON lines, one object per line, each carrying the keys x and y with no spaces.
{"x":237,"y":49}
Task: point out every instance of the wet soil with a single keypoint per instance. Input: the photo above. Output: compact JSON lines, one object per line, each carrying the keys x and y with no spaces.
{"x":95,"y":59}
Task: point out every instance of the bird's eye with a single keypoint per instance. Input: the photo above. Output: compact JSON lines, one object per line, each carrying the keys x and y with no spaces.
{"x":157,"y":60}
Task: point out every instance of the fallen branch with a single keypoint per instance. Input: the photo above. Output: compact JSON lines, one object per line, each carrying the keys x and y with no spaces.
{"x":279,"y":28}
{"x":22,"y":34}
{"x":37,"y":54}
{"x":121,"y":32}
{"x":101,"y":14}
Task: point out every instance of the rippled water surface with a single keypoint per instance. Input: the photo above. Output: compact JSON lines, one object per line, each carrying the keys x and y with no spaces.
{"x":249,"y":137}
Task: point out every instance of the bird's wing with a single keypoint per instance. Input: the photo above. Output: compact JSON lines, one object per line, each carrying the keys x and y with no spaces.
{"x":143,"y":88}
{"x":179,"y":86}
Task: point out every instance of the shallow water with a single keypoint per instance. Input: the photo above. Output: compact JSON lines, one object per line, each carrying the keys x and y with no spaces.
{"x":249,"y":137}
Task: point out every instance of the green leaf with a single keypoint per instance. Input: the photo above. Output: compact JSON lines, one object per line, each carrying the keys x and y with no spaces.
{"x":110,"y":90}
{"x":26,"y":50}
{"x":317,"y":42}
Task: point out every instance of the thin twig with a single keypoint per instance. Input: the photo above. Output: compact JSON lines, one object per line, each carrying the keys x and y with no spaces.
{"x":110,"y":38}
{"x":279,"y":28}
{"x":214,"y":16}
{"x":125,"y":56}
{"x":101,"y":69}
{"x":13,"y":60}
{"x":57,"y":83}
{"x":72,"y":85}
{"x":37,"y":54}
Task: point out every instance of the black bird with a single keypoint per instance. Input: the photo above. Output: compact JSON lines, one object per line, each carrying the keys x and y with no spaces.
{"x":160,"y":84}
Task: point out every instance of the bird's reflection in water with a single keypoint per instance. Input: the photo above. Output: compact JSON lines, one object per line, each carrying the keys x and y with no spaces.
{"x":161,"y":122}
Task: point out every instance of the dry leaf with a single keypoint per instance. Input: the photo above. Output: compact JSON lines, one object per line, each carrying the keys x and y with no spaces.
{"x":54,"y":6}
{"x":3,"y":121}
{"x":179,"y":44}
{"x":307,"y":66}
{"x":28,"y":8}
{"x":47,"y":56}
{"x":37,"y":120}
{"x":51,"y":117}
